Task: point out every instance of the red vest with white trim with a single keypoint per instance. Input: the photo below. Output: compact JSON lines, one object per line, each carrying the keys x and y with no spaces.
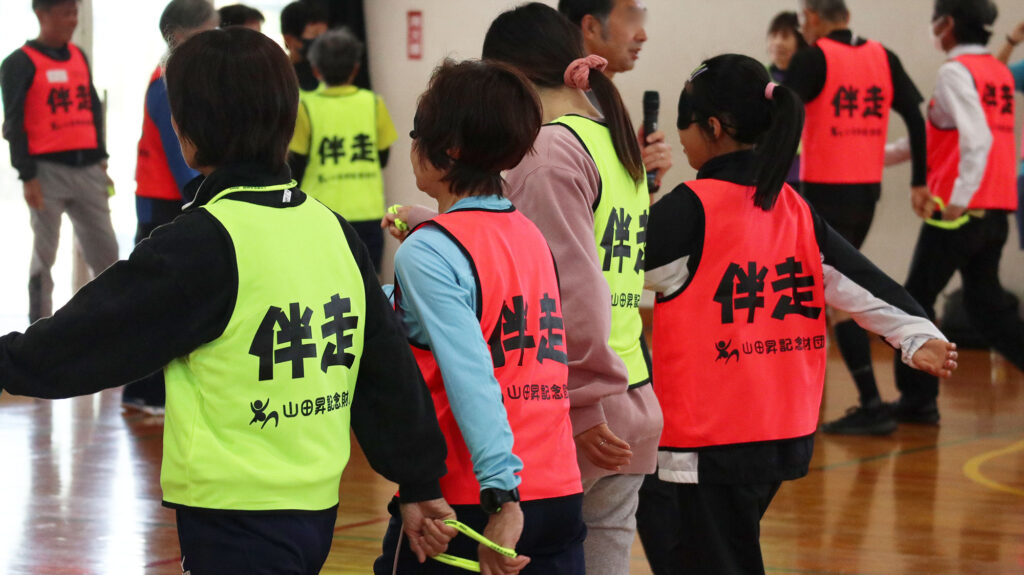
{"x":153,"y":176}
{"x":846,"y":125}
{"x":739,"y":354}
{"x":521,"y":319}
{"x":58,"y":106}
{"x":998,"y":190}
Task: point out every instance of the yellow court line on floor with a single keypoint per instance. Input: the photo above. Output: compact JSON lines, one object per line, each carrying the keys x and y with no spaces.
{"x":972,"y":469}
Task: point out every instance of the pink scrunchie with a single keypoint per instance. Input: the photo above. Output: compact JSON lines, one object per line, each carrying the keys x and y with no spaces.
{"x":577,"y":74}
{"x":769,"y":90}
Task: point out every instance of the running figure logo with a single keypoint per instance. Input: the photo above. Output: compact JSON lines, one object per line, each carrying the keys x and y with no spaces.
{"x":259,"y":409}
{"x":724,"y":352}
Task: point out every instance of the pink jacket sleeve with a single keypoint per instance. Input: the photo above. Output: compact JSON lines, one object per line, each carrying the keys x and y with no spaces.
{"x":556,"y":187}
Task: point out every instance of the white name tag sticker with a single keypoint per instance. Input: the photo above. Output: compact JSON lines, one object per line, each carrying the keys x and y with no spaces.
{"x":57,"y":76}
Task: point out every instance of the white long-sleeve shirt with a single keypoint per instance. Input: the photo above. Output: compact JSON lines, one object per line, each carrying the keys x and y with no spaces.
{"x":957,"y":105}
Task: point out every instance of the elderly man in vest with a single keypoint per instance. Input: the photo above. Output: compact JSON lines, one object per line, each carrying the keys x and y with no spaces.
{"x":53,"y":120}
{"x":614,"y":30}
{"x":849,"y":85}
{"x":971,"y":193}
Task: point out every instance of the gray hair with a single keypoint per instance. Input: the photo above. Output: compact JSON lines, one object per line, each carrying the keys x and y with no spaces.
{"x":829,"y":10}
{"x":335,"y":54}
{"x":184,"y":15}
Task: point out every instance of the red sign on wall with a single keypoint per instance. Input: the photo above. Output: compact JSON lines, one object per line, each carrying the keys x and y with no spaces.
{"x":414,"y":41}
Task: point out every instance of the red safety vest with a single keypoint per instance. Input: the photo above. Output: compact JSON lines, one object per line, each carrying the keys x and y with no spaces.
{"x":58,"y":106}
{"x":153,"y":177}
{"x":999,"y":185}
{"x":521,"y":319}
{"x":846,"y":125}
{"x":739,"y":354}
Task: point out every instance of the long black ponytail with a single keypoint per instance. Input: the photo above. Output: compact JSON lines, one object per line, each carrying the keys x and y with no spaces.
{"x":738,"y":91}
{"x":540,"y":42}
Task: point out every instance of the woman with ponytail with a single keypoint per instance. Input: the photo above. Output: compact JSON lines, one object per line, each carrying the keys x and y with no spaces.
{"x":585,"y":188}
{"x":743,"y":269}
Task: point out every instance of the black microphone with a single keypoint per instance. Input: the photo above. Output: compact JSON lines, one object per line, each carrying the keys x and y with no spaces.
{"x":652,"y":102}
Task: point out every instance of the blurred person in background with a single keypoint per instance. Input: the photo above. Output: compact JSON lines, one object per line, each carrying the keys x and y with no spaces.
{"x":614,"y":30}
{"x":971,"y":193}
{"x":301,"y":23}
{"x":161,"y":175}
{"x":849,"y":85}
{"x":53,"y":120}
{"x":342,"y":137}
{"x":784,"y":41}
{"x":241,"y":15}
{"x":1013,"y":39}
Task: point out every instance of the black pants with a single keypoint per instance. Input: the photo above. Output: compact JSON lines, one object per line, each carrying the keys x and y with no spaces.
{"x":974,"y":250}
{"x":373,"y":236}
{"x":553,"y":534}
{"x":849,"y":212}
{"x":274,"y":543}
{"x":703,"y":529}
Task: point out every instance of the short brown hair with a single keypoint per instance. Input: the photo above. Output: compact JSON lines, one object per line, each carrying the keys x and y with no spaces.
{"x":234,"y":95}
{"x":486,"y":113}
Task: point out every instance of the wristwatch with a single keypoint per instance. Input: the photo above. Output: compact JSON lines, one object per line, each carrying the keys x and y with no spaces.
{"x":492,"y":499}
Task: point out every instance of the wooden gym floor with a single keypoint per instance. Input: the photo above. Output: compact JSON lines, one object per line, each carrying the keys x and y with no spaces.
{"x":79,"y":489}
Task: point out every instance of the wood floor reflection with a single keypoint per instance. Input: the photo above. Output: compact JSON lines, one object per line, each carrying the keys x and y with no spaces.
{"x":79,"y":489}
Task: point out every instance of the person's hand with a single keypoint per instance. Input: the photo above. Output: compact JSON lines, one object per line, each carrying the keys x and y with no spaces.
{"x":388,"y":223}
{"x":1017,"y":34}
{"x":657,"y":154}
{"x":503,"y":528}
{"x":33,"y":194}
{"x":424,"y":527}
{"x":922,"y":202}
{"x":603,"y":448}
{"x":953,"y":212}
{"x":936,"y":357}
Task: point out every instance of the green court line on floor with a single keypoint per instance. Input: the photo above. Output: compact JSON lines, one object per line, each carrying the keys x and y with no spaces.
{"x":913,"y":450}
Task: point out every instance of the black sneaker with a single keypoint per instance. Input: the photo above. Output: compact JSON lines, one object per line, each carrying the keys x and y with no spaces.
{"x":926,"y":414}
{"x":860,"y":420}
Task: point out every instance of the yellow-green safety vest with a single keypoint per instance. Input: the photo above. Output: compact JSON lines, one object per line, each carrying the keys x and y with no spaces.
{"x":258,"y":419}
{"x":620,"y":231}
{"x":344,"y":167}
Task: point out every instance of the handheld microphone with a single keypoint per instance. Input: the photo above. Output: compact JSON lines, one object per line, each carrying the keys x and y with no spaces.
{"x":652,"y":102}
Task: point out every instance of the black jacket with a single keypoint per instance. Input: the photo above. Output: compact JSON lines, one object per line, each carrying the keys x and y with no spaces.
{"x":177,"y":291}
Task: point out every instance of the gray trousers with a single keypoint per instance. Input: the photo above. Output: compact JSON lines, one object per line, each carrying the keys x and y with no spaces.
{"x":81,"y":193}
{"x":609,"y":511}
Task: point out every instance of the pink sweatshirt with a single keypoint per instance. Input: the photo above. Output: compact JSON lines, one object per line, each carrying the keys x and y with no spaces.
{"x":556,"y":187}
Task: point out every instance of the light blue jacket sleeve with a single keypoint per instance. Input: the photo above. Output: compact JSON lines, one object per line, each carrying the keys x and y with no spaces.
{"x":438,"y":305}
{"x":159,"y":109}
